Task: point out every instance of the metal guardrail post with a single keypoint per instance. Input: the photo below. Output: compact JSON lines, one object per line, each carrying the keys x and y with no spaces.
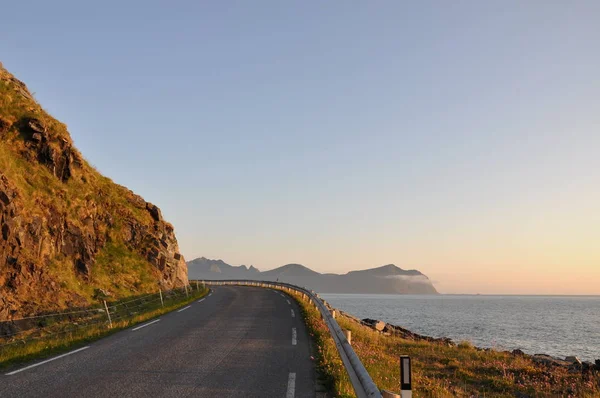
{"x":348,"y":335}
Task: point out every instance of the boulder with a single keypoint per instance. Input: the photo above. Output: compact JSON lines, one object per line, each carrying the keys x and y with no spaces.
{"x":573,"y":360}
{"x":548,"y":360}
{"x":597,"y":364}
{"x":374,"y":324}
{"x":518,"y":352}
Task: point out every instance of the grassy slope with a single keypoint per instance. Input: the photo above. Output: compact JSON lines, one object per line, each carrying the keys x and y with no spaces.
{"x":439,"y":370}
{"x":463,"y":371}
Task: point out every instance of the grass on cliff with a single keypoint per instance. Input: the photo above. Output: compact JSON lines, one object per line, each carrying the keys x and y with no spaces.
{"x":440,"y":370}
{"x":58,"y":343}
{"x":118,"y":271}
{"x":121,"y":271}
{"x":35,"y":181}
{"x":86,"y":196}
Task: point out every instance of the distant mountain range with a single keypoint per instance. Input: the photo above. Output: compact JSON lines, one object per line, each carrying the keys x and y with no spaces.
{"x":387,"y":279}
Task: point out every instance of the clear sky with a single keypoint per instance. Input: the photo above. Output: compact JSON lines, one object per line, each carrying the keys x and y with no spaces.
{"x":460,"y":138}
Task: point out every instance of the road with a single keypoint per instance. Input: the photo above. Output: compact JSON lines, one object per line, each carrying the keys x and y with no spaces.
{"x":237,"y":342}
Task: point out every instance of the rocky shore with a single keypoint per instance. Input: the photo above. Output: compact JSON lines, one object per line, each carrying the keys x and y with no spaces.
{"x":572,"y":363}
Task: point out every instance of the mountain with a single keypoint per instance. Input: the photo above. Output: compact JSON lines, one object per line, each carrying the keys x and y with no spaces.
{"x":219,"y":267}
{"x":388,"y":279}
{"x":69,"y":235}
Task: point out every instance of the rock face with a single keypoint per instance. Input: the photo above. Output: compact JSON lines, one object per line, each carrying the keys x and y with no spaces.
{"x":58,"y":216}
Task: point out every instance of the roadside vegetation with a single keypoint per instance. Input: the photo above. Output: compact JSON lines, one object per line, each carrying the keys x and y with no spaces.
{"x":330,"y":369}
{"x":63,"y":335}
{"x":440,"y":370}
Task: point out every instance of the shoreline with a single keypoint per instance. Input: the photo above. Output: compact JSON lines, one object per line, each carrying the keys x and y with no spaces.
{"x":572,"y":362}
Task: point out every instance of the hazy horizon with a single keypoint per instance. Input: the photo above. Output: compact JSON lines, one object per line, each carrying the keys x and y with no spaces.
{"x":434,"y":282}
{"x":459,"y":139}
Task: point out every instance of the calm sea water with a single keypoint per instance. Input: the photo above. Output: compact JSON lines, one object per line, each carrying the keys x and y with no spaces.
{"x":557,"y":326}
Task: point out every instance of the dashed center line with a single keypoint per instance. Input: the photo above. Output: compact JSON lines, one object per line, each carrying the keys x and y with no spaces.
{"x":47,"y":360}
{"x":294,"y":336}
{"x":183,"y":309}
{"x":291,"y":390}
{"x":293,"y":314}
{"x":144,"y":325}
{"x":201,"y":300}
{"x":289,"y":302}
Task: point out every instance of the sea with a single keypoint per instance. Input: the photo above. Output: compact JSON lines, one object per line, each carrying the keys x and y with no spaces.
{"x":559,"y":326}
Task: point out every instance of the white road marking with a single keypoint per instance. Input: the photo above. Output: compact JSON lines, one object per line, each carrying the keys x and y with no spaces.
{"x":293,"y":314}
{"x":291,"y":391}
{"x":144,"y":325}
{"x":294,"y":336}
{"x":289,"y":302}
{"x":47,"y":360}
{"x":201,"y":300}
{"x":183,"y":309}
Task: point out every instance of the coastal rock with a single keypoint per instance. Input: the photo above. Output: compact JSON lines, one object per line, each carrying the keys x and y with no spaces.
{"x":573,"y":360}
{"x":374,"y":324}
{"x":597,"y":364}
{"x":548,"y":360}
{"x":587,"y":367}
{"x":518,"y":352}
{"x":389,"y":329}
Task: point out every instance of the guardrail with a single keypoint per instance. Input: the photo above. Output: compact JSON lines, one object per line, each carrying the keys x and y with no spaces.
{"x":361,"y":380}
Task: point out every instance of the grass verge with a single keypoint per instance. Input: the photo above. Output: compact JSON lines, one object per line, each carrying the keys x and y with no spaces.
{"x":330,"y":368}
{"x":56,"y":344}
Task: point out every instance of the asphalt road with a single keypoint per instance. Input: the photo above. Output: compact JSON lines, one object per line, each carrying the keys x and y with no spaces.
{"x":238,"y":342}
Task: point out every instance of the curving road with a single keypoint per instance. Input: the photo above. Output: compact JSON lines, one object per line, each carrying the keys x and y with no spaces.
{"x":237,"y":342}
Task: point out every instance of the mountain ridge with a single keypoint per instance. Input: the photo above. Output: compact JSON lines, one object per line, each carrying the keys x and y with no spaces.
{"x":386,"y":279}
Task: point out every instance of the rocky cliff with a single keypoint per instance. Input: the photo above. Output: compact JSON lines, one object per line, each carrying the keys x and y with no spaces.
{"x":68,"y":234}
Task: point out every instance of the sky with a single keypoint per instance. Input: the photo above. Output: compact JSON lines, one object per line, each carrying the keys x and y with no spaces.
{"x":458,"y":138}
